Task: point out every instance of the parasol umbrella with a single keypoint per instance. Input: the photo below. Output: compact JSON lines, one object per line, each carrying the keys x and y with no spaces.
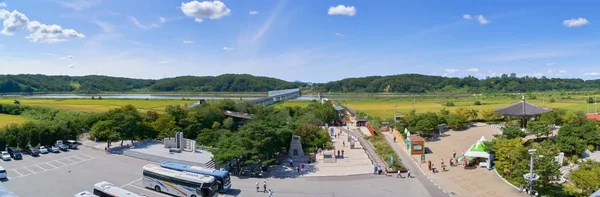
{"x":465,"y":159}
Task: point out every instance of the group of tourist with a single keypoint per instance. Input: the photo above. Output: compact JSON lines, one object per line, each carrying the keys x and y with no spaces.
{"x":264,"y":188}
{"x":453,"y":163}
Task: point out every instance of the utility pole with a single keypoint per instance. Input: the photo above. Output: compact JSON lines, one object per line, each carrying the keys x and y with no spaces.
{"x":414,"y":102}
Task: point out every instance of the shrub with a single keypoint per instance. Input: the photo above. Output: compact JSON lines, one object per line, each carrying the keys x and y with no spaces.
{"x":449,"y":104}
{"x":574,"y":158}
{"x":591,"y":148}
{"x":552,"y":100}
{"x":477,"y":103}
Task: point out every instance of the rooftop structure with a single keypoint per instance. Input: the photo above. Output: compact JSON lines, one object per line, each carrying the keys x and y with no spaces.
{"x":523,"y":110}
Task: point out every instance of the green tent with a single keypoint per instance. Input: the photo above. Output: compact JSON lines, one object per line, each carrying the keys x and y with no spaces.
{"x":478,"y":149}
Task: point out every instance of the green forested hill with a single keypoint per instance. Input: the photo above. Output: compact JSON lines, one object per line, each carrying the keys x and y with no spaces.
{"x":404,"y":83}
{"x":416,"y":83}
{"x":96,"y":84}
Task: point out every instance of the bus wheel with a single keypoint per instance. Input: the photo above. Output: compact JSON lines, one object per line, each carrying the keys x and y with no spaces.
{"x":157,"y":188}
{"x":193,"y":196}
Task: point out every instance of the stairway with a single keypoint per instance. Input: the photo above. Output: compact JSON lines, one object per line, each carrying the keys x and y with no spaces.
{"x":211,"y":164}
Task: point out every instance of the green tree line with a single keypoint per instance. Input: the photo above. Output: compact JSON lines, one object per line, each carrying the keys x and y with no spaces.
{"x":96,"y":84}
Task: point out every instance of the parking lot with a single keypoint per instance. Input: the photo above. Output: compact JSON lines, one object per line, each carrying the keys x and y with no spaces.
{"x":67,"y":173}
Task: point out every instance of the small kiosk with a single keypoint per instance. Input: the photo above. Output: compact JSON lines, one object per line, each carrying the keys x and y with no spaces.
{"x":416,"y":145}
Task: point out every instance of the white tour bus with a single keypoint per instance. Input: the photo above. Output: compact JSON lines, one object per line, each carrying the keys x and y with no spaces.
{"x":85,"y":194}
{"x":179,"y":183}
{"x":106,"y":189}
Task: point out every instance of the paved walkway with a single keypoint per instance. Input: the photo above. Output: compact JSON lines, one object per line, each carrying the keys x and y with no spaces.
{"x":457,"y":180}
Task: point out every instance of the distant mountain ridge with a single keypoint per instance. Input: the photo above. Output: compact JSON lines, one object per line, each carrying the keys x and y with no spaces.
{"x":97,"y":84}
{"x":402,"y":83}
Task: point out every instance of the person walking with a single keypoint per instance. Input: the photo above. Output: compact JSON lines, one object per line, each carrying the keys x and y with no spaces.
{"x":433,"y":168}
{"x":270,"y":193}
{"x":291,"y":162}
{"x":399,"y":174}
{"x":453,"y":154}
{"x":265,"y":187}
{"x":257,"y":187}
{"x":408,"y":173}
{"x":379,"y":170}
{"x":451,"y":162}
{"x":342,"y":153}
{"x":298,"y":169}
{"x":429,"y":164}
{"x":374,"y":169}
{"x":344,"y":143}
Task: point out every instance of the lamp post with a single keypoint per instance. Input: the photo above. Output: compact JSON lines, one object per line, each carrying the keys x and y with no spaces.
{"x":531,"y":177}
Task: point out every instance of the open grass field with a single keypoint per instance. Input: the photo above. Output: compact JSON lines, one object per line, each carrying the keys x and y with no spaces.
{"x":89,"y":105}
{"x":384,"y":107}
{"x":10,"y":119}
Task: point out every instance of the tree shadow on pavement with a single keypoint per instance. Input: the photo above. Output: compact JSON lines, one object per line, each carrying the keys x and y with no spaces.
{"x":283,"y":171}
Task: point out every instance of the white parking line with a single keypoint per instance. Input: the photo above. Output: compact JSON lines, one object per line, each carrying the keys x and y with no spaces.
{"x":131,"y":182}
{"x":67,"y":158}
{"x":28,"y":169}
{"x":17,"y":172}
{"x":61,"y":163}
{"x":50,"y":165}
{"x":38,"y":165}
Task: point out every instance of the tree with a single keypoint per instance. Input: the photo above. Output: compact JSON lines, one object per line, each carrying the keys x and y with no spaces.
{"x":228,"y":123}
{"x":463,"y":112}
{"x":591,"y":100}
{"x":456,"y":122}
{"x":490,"y":114}
{"x":538,"y":128}
{"x":573,"y":118}
{"x":34,"y":132}
{"x":444,"y":112}
{"x":545,"y":165}
{"x":166,"y":126}
{"x":103,"y":130}
{"x":209,"y":137}
{"x":508,"y":153}
{"x":587,"y":180}
{"x":512,"y":132}
{"x":473,"y":113}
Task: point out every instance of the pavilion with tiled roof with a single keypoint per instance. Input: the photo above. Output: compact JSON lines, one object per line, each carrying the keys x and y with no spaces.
{"x":523,"y":110}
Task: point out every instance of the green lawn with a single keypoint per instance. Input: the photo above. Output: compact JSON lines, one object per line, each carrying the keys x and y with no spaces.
{"x":10,"y":119}
{"x":97,"y":105}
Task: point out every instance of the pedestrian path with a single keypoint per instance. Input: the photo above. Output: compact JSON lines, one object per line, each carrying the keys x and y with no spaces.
{"x":369,"y":149}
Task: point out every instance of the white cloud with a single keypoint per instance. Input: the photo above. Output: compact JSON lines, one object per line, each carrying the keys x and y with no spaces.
{"x":472,"y":70}
{"x":188,"y":42}
{"x":162,"y":19}
{"x":339,"y":34}
{"x":70,"y":57}
{"x":4,"y":14}
{"x":550,"y":64}
{"x":575,"y":22}
{"x":550,"y":71}
{"x":227,"y":48}
{"x":71,"y":66}
{"x":78,"y":4}
{"x":50,"y":33}
{"x":140,"y":25}
{"x":482,"y":20}
{"x":206,"y":9}
{"x":562,"y":71}
{"x":12,"y":22}
{"x":592,"y":74}
{"x":467,"y":16}
{"x":2,"y":4}
{"x":252,"y":12}
{"x":451,"y":70}
{"x":342,"y":10}
{"x":39,"y":32}
{"x":163,"y":62}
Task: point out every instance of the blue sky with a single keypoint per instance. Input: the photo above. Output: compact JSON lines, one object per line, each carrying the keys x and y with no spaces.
{"x":308,"y":40}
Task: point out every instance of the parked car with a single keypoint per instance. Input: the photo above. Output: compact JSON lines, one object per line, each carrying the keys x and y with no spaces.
{"x":15,"y":153}
{"x":71,"y":143}
{"x":52,"y":149}
{"x":33,"y":151}
{"x":61,"y":145}
{"x":5,"y":156}
{"x":43,"y":150}
{"x":3,"y":174}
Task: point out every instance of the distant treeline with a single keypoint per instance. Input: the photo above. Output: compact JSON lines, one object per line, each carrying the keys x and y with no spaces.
{"x":404,"y":83}
{"x":97,"y":84}
{"x":416,"y":83}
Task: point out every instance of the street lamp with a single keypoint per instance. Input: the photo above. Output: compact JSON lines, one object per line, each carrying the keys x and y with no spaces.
{"x":531,"y":177}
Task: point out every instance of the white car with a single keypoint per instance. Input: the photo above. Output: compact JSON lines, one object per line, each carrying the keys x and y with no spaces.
{"x":52,"y":149}
{"x":43,"y":150}
{"x":5,"y":156}
{"x":3,"y":174}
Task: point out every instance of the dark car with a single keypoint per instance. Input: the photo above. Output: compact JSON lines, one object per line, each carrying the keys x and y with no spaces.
{"x":33,"y":151}
{"x":63,"y":147}
{"x":15,"y":153}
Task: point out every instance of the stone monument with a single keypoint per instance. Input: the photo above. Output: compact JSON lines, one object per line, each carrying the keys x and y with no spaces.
{"x":179,"y":143}
{"x":296,"y":147}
